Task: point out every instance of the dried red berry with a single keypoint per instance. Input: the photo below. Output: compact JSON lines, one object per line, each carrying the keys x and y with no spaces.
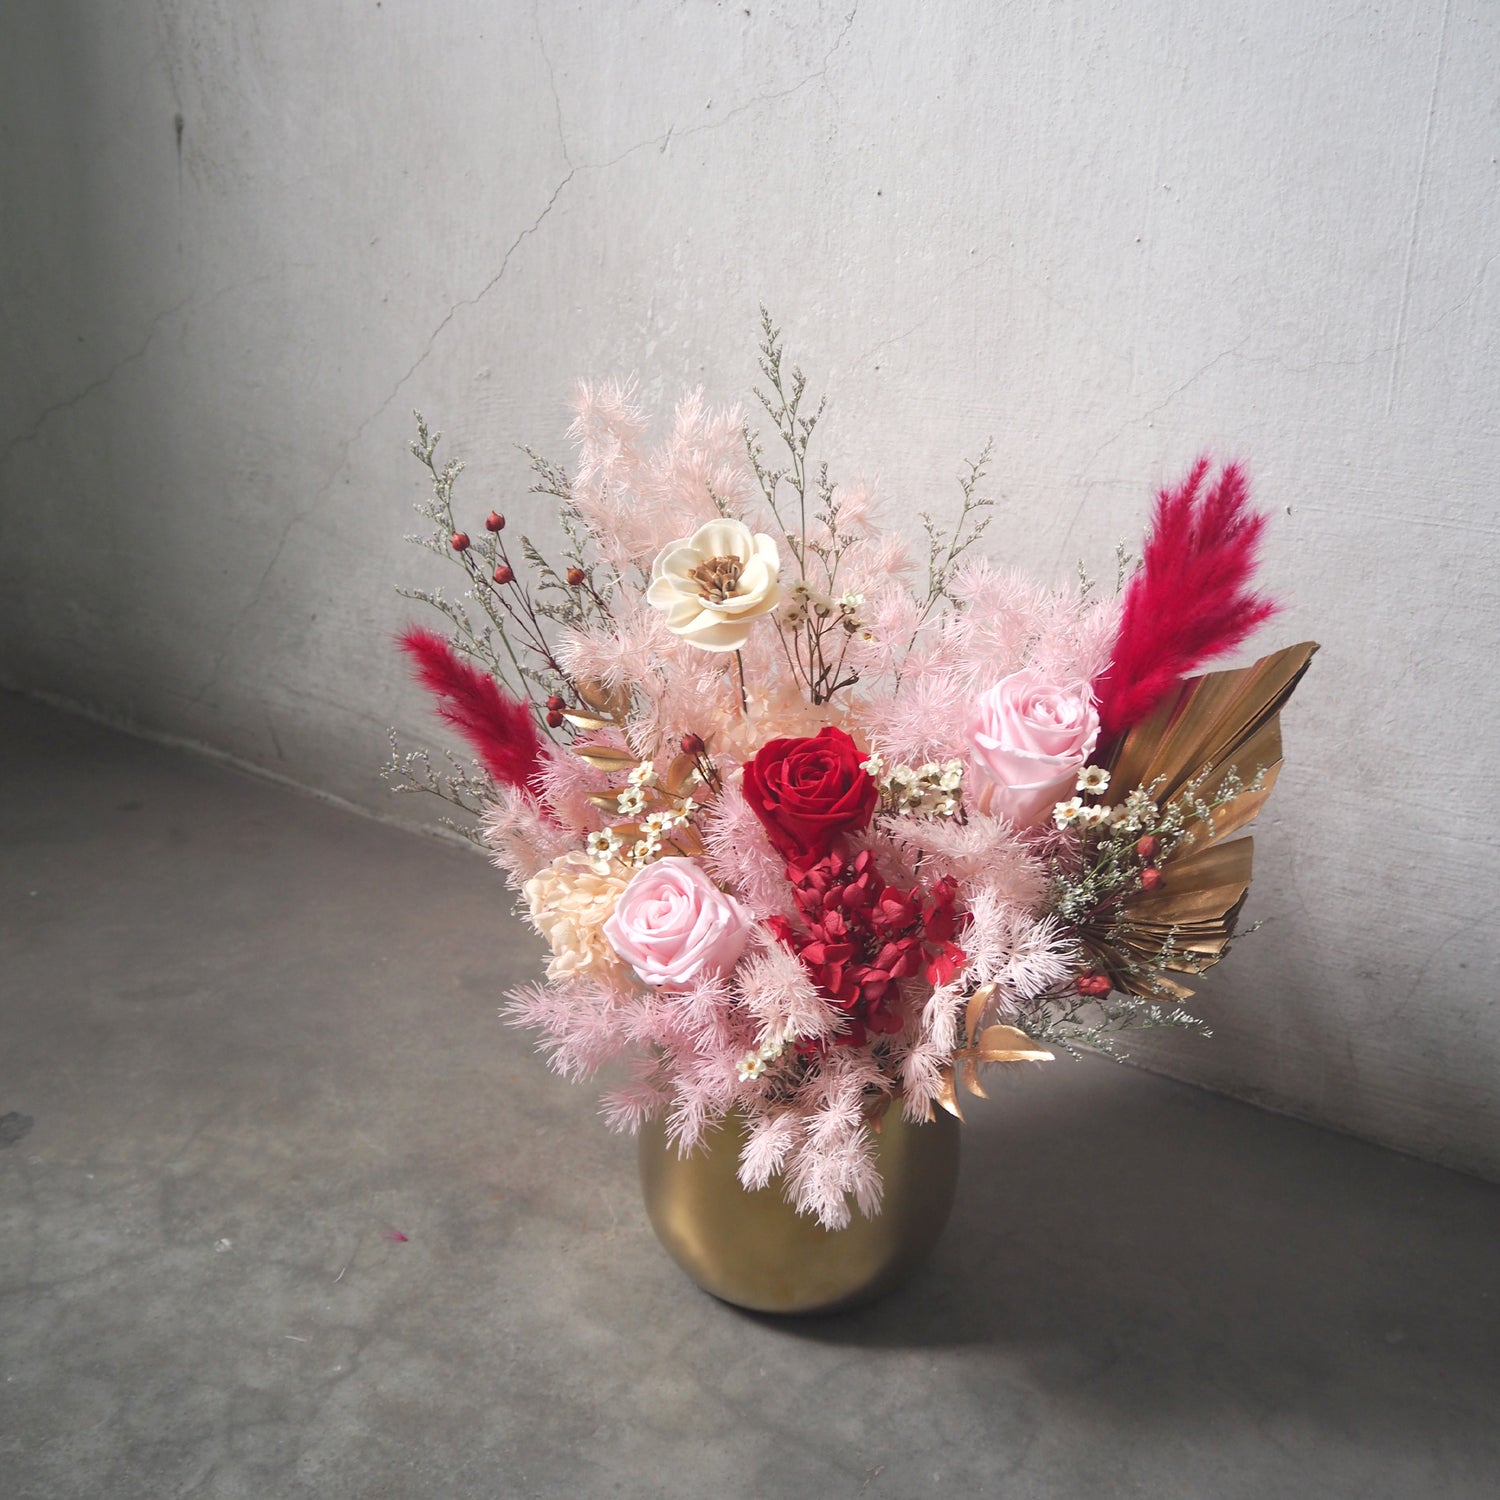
{"x":556,"y":704}
{"x":575,"y":576}
{"x":554,"y":718}
{"x":692,"y":744}
{"x":494,"y":521}
{"x":459,"y":541}
{"x":503,"y":574}
{"x":1147,"y":847}
{"x":1151,"y":878}
{"x":1092,"y":983}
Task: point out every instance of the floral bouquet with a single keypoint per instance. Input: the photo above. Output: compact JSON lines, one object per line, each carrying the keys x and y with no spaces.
{"x":817,"y":826}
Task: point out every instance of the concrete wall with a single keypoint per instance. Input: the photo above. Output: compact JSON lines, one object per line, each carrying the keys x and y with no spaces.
{"x":241,"y":241}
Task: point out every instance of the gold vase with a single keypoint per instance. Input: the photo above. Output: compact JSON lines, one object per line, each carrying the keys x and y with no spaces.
{"x":756,"y":1251}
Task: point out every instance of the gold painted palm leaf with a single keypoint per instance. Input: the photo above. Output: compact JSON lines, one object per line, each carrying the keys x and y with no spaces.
{"x":1212,"y":726}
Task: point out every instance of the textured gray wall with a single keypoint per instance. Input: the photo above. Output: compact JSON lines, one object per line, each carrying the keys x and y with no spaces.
{"x":1111,"y":235}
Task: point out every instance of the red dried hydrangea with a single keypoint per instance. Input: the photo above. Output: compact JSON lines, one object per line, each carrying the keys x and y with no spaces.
{"x":862,"y":937}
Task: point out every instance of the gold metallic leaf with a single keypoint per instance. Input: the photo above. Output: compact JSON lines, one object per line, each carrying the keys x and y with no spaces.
{"x":1210,"y":722}
{"x":971,"y":1078}
{"x":1199,"y":886}
{"x":681,"y":775}
{"x":974,"y":1011}
{"x":1008,"y":1044}
{"x":611,"y":703}
{"x":1213,"y":726}
{"x":586,"y":722}
{"x":948,"y":1095}
{"x":607,"y":757}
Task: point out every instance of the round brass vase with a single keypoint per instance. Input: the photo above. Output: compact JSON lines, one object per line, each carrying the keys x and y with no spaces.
{"x":756,"y":1251}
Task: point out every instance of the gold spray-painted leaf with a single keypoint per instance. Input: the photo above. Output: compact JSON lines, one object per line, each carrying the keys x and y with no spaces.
{"x":947,"y":1094}
{"x":1008,"y":1044}
{"x":1212,"y":722}
{"x":586,"y":722}
{"x":974,"y":1011}
{"x":607,"y":757}
{"x":681,"y":775}
{"x":612,"y":703}
{"x":1212,"y":727}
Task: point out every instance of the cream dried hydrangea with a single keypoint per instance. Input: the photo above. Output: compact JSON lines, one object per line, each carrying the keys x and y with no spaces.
{"x":714,"y":584}
{"x":570,"y":902}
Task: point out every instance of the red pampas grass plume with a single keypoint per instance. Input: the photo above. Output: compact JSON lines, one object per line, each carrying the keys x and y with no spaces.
{"x":498,"y":727}
{"x":1189,"y":600}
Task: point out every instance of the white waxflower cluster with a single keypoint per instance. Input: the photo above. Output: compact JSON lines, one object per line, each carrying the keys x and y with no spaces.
{"x":1093,"y":779}
{"x":1135,"y":812}
{"x":609,"y":844}
{"x":754,"y":1062}
{"x":603,"y":847}
{"x":930,"y":790}
{"x":804,"y":599}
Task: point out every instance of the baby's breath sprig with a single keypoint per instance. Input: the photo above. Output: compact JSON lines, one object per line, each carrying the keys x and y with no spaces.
{"x":933,"y":790}
{"x":944,"y":548}
{"x":818,"y":621}
{"x":464,"y":786}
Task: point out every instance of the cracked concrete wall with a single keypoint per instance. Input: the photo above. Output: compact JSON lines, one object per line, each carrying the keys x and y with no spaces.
{"x":241,"y":242}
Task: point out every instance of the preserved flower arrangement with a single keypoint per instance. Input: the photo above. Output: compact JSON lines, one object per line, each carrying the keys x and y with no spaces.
{"x":816,"y":828}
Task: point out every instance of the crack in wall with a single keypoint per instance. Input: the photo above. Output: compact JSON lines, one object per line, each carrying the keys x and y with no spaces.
{"x":661,"y":141}
{"x":541,"y":42}
{"x":32,"y":433}
{"x":302,"y":512}
{"x":1414,"y":223}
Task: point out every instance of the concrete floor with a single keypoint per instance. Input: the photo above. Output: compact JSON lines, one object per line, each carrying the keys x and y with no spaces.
{"x":247,"y":1040}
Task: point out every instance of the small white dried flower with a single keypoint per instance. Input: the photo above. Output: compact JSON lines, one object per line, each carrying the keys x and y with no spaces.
{"x":1093,"y":779}
{"x":750,"y":1067}
{"x":873,"y":765}
{"x":644,"y":774}
{"x":1066,"y":814}
{"x":631,"y":801}
{"x":603,"y":846}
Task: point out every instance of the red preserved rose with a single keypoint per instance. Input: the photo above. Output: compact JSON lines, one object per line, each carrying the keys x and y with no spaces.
{"x":806,"y":792}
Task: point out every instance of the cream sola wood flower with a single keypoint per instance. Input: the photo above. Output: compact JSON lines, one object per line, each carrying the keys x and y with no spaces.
{"x":712,"y":585}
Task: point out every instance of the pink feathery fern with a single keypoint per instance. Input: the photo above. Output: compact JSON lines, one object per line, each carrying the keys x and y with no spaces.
{"x":499,"y":728}
{"x":1189,"y":600}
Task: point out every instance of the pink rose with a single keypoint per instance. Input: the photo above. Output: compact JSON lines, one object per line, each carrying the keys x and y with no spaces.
{"x":674,"y":926}
{"x":1028,"y":739}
